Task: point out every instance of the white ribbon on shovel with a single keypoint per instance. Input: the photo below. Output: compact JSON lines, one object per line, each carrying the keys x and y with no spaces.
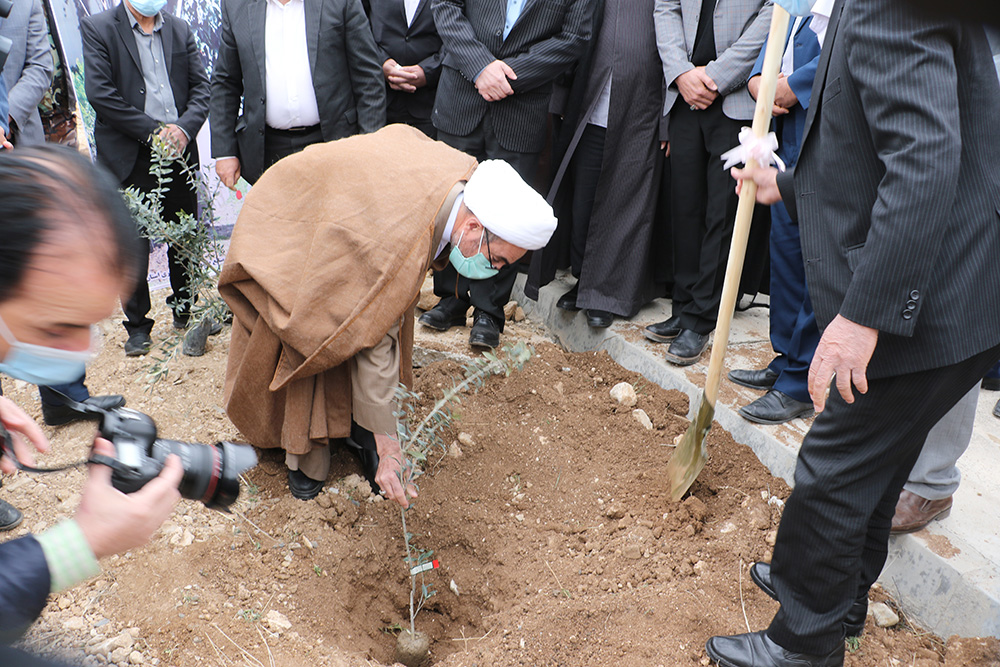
{"x":761,"y":149}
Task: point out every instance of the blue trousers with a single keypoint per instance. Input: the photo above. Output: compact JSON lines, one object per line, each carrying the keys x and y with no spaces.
{"x":794,"y":334}
{"x":75,"y":390}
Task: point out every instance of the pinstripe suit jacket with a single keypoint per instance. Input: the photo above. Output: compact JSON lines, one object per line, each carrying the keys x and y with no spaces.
{"x":897,"y":188}
{"x":741,"y":26}
{"x":28,"y":70}
{"x":546,"y":40}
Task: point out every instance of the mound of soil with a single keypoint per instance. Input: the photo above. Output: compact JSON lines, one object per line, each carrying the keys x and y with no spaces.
{"x":549,"y":516}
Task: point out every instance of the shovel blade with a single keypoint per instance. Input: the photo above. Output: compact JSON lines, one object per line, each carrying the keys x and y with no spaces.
{"x":690,"y":455}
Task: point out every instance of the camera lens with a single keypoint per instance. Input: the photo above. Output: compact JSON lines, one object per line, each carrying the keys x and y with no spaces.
{"x":211,"y":472}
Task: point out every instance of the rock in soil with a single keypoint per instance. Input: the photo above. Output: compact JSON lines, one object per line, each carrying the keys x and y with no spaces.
{"x":884,"y":616}
{"x":624,"y":393}
{"x":412,"y":650}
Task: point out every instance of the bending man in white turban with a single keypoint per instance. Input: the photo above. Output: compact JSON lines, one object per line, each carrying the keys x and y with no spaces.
{"x":324,"y":268}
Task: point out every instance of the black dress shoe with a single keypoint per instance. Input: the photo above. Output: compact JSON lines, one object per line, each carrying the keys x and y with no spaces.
{"x":762,"y":379}
{"x":568,"y":300}
{"x":776,"y":407}
{"x":687,"y":348}
{"x":996,"y":409}
{"x":485,"y":331}
{"x":991,"y":384}
{"x":10,"y":516}
{"x":449,"y":312}
{"x":757,"y":650}
{"x":599,"y":319}
{"x":138,"y":345}
{"x":302,"y":486}
{"x":854,"y":622}
{"x":57,"y":415}
{"x":665,"y":331}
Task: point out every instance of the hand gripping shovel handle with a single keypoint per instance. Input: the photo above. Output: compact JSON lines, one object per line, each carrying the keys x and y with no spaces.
{"x":690,"y":455}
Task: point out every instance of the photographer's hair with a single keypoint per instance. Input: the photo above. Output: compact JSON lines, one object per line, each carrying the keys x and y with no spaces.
{"x":49,"y":189}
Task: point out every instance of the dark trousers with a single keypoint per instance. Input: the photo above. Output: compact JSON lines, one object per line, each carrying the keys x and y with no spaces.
{"x":179,"y":196}
{"x":76,"y":390}
{"x":833,"y":539}
{"x":279,"y":144}
{"x":403,"y":116}
{"x":490,"y":295}
{"x":585,"y":168}
{"x":703,"y":211}
{"x":794,"y":334}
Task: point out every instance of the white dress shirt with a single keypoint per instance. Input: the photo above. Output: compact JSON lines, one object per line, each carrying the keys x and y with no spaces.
{"x":821,"y":18}
{"x":291,"y":98}
{"x":788,"y":57}
{"x":411,"y":10}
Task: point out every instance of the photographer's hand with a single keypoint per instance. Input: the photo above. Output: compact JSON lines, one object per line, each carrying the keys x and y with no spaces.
{"x":23,"y":430}
{"x":113,"y":522}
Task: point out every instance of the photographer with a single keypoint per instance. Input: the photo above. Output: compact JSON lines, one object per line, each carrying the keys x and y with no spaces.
{"x":69,"y":249}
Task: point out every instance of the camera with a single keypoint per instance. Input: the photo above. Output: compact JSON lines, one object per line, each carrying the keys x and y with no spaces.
{"x":5,"y":43}
{"x":211,"y":472}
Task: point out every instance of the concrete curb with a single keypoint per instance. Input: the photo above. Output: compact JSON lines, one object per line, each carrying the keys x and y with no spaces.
{"x":944,"y":580}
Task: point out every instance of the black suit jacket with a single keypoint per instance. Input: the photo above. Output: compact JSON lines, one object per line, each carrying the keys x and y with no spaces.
{"x":416,"y":44}
{"x":346,"y":74}
{"x":896,"y":187}
{"x":117,"y":91}
{"x":546,"y":40}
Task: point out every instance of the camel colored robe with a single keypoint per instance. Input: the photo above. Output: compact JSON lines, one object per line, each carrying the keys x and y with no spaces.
{"x":327,"y":256}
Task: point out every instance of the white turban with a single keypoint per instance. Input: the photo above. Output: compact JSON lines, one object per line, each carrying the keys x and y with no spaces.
{"x":509,"y":207}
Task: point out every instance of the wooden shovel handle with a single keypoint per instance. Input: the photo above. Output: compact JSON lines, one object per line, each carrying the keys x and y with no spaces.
{"x":748,"y":196}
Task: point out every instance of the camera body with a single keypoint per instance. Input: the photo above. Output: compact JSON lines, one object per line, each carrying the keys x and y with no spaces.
{"x":211,"y":472}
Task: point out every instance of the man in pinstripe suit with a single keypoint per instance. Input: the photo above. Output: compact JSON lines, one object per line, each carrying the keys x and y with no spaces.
{"x":896,"y":195}
{"x":501,"y":58}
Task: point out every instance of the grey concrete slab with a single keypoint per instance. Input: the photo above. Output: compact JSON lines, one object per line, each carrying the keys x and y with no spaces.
{"x":946,"y":578}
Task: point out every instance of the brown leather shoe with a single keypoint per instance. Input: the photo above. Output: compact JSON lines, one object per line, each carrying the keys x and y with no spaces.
{"x":913,"y":513}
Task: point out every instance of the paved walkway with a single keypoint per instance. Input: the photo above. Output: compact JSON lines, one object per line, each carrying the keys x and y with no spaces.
{"x":946,"y":577}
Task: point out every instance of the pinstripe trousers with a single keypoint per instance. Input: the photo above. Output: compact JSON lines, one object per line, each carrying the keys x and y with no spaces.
{"x":833,"y":539}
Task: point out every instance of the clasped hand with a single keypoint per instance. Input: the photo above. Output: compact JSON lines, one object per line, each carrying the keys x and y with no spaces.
{"x":493,"y":83}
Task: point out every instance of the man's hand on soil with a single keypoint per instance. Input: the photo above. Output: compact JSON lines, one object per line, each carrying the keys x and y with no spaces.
{"x":390,"y":459}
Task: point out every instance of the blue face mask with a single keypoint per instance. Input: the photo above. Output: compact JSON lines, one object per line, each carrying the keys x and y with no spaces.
{"x":148,"y":7}
{"x":797,"y":7}
{"x":41,"y":365}
{"x":477,"y":267}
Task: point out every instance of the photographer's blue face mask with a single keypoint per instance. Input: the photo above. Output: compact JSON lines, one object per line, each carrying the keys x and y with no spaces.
{"x":477,"y":267}
{"x":797,"y":7}
{"x":41,"y":365}
{"x":148,"y":7}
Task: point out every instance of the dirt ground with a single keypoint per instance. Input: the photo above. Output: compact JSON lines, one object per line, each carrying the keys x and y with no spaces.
{"x":550,"y":519}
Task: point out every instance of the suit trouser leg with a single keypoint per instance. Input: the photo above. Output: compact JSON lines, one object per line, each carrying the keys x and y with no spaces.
{"x":586,"y":171}
{"x":833,"y":539}
{"x":720,"y":135}
{"x":935,"y":475}
{"x":76,"y":390}
{"x":794,"y":334}
{"x":688,"y":201}
{"x":179,"y":197}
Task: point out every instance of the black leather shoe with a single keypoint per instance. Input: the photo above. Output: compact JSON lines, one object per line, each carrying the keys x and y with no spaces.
{"x":854,"y":622}
{"x":10,"y":516}
{"x":996,"y":409}
{"x":776,"y":407}
{"x":485,"y":331}
{"x":447,"y":314}
{"x":568,"y":300}
{"x":687,"y":348}
{"x":599,"y":319}
{"x":302,"y":486}
{"x":57,"y":415}
{"x":665,"y":331}
{"x":138,"y":345}
{"x":367,"y":455}
{"x":757,"y":650}
{"x":991,"y":384}
{"x":762,"y":379}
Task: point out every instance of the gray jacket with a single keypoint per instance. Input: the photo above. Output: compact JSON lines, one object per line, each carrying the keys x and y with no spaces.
{"x":28,"y":70}
{"x":741,"y":26}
